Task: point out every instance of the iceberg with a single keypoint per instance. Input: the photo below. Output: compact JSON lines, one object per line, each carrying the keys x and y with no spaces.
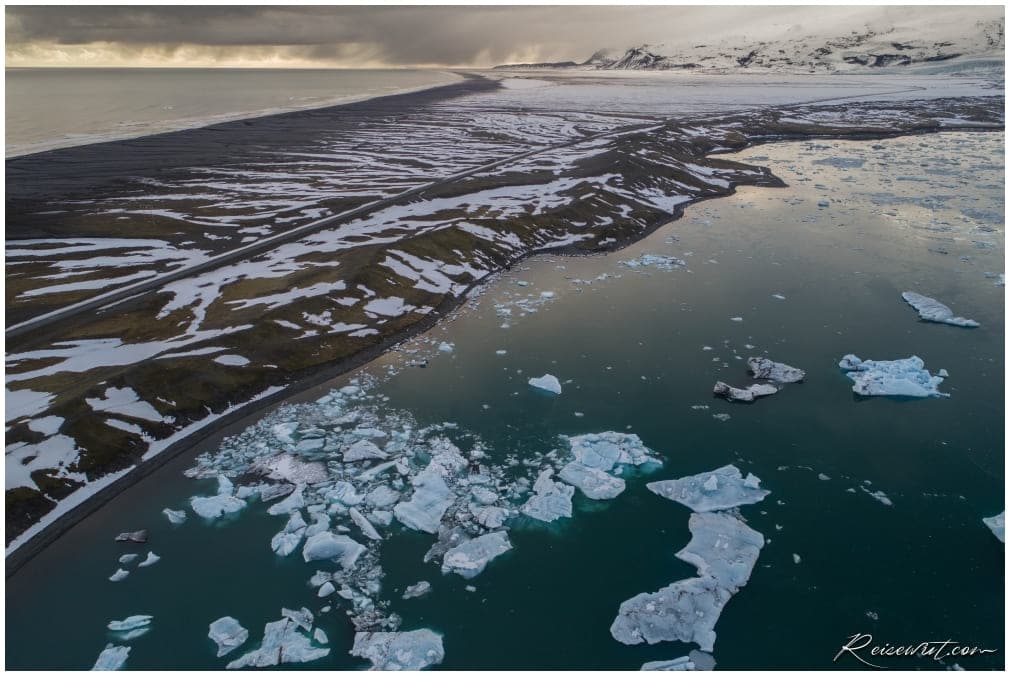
{"x":897,"y":378}
{"x":774,"y":371}
{"x":724,"y":550}
{"x":130,"y":623}
{"x":326,"y":545}
{"x":547,"y":383}
{"x":367,"y":529}
{"x":470,"y":558}
{"x":151,"y":559}
{"x":997,"y":525}
{"x":719,"y":489}
{"x":228,"y":634}
{"x":215,"y":506}
{"x":422,"y":588}
{"x":745,"y":394}
{"x":325,"y":589}
{"x":296,"y":500}
{"x":175,"y":516}
{"x":287,"y":540}
{"x":550,"y":500}
{"x":428,"y":503}
{"x":112,"y":658}
{"x":364,"y":450}
{"x":320,"y":636}
{"x":693,"y":661}
{"x":399,"y":650}
{"x":932,"y":310}
{"x":282,"y":644}
{"x":594,"y":483}
{"x":604,"y":450}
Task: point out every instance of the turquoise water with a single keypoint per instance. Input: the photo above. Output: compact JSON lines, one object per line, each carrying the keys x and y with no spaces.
{"x":631,"y":346}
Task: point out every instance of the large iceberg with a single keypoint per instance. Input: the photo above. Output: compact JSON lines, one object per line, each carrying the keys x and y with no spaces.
{"x":547,"y":383}
{"x":428,"y":503}
{"x":550,"y":500}
{"x":724,"y":550}
{"x":932,"y":310}
{"x":470,"y":558}
{"x":112,"y":658}
{"x":228,"y":634}
{"x":997,"y":524}
{"x":326,"y":545}
{"x":399,"y":650}
{"x":897,"y":378}
{"x":719,"y":489}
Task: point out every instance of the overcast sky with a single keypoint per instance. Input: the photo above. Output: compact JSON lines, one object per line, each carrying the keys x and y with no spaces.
{"x":399,"y":36}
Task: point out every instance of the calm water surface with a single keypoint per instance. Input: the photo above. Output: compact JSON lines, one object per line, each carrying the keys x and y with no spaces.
{"x":632,"y":347}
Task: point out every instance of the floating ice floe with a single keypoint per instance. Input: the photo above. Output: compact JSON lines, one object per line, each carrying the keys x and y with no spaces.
{"x":427,"y":505}
{"x":364,"y":450}
{"x":767,"y":369}
{"x":131,"y":627}
{"x":228,"y":634}
{"x":287,"y":541}
{"x":216,"y":506}
{"x":470,"y":558}
{"x":326,"y":545}
{"x":547,"y":383}
{"x":596,"y":455}
{"x":128,"y":558}
{"x":174,"y":516}
{"x":151,"y":559}
{"x":367,"y":529}
{"x":724,"y":550}
{"x":746,"y":394}
{"x":897,"y":378}
{"x":932,"y":310}
{"x":112,"y":658}
{"x":138,"y":536}
{"x":282,"y":643}
{"x":551,"y":500}
{"x":997,"y":524}
{"x":414,"y":591}
{"x":693,"y":661}
{"x":294,"y":501}
{"x":399,"y":651}
{"x":723,"y":488}
{"x":120,"y":574}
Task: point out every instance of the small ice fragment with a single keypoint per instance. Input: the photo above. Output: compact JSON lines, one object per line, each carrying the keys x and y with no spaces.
{"x":175,"y":516}
{"x":364,"y":450}
{"x":138,"y":536}
{"x":470,"y":558}
{"x":130,"y":623}
{"x":694,"y":661}
{"x":112,"y":658}
{"x":151,"y":559}
{"x":997,"y":524}
{"x":320,"y":636}
{"x":325,"y":590}
{"x":120,"y":574}
{"x":778,"y":296}
{"x":367,"y":529}
{"x":127,"y":558}
{"x":445,"y":347}
{"x":796,"y":558}
{"x":501,"y":353}
{"x":932,"y":310}
{"x":215,"y":506}
{"x":418,"y":590}
{"x":228,"y":634}
{"x":767,"y":369}
{"x":736,"y":319}
{"x":399,"y":651}
{"x":547,"y":383}
{"x":747,"y":394}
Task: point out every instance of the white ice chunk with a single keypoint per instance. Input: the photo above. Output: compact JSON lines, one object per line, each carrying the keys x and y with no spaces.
{"x":399,"y":651}
{"x":897,"y":378}
{"x":282,"y":644}
{"x":120,"y":574}
{"x":326,"y":545}
{"x":607,"y":449}
{"x":228,"y":634}
{"x":364,"y":450}
{"x":367,"y":529}
{"x":287,"y":541}
{"x":594,"y":483}
{"x":151,"y":559}
{"x":711,"y":491}
{"x":932,"y":310}
{"x":428,"y":503}
{"x":130,"y":623}
{"x":294,"y":501}
{"x":175,"y":516}
{"x":997,"y":525}
{"x":693,"y":661}
{"x":547,"y":383}
{"x":550,"y":500}
{"x":774,"y":371}
{"x":112,"y":658}
{"x":325,"y":590}
{"x":215,"y":506}
{"x":743,"y":394}
{"x":418,"y":590}
{"x":470,"y":558}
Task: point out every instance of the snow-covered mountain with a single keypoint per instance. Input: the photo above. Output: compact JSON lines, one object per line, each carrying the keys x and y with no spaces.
{"x":798,"y":50}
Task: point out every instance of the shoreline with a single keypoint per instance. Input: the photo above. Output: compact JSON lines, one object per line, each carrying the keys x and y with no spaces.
{"x":188,"y":124}
{"x":301,"y":383}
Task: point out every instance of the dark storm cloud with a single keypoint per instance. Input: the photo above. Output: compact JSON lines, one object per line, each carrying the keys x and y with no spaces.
{"x":404,"y":35}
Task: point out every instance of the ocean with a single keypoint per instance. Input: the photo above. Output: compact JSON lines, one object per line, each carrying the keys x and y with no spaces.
{"x":51,"y":108}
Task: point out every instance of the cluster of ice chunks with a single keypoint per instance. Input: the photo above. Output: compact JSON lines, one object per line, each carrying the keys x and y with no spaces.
{"x":896,"y":378}
{"x":126,"y":559}
{"x":379,"y":466}
{"x":289,"y":640}
{"x":399,"y":651}
{"x":761,"y":368}
{"x":722,"y":548}
{"x":932,"y":310}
